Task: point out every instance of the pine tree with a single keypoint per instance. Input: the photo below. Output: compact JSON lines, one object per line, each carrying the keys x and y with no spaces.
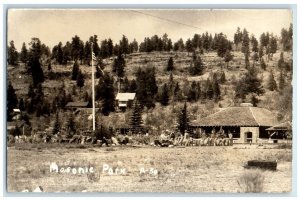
{"x":281,"y":82}
{"x":281,"y":63}
{"x":24,"y":54}
{"x":105,"y":93}
{"x":263,"y":64}
{"x":71,"y":125}
{"x":216,"y":91}
{"x":146,"y":87}
{"x":12,"y":56}
{"x":164,"y":100}
{"x":228,"y":57}
{"x":136,"y":120}
{"x":183,"y":119}
{"x":119,"y":66}
{"x":209,"y":94}
{"x":272,"y":86}
{"x":12,"y":100}
{"x":176,"y":93}
{"x":57,"y":124}
{"x":21,"y":104}
{"x":189,"y":46}
{"x":80,"y":79}
{"x":192,"y":94}
{"x":49,"y":66}
{"x":170,"y":66}
{"x":35,"y":68}
{"x":124,"y":46}
{"x":222,"y":78}
{"x":75,"y":71}
{"x":196,"y":67}
{"x":272,"y":47}
{"x":249,"y":83}
{"x":132,"y":86}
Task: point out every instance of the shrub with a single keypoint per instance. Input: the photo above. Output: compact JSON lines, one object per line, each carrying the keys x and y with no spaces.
{"x":251,"y":181}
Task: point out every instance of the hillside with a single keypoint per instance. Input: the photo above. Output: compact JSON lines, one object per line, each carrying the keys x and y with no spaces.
{"x":161,"y":116}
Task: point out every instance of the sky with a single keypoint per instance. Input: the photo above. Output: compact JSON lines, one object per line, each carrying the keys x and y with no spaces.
{"x":54,"y":25}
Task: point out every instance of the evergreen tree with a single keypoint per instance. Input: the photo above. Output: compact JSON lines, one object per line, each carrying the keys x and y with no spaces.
{"x":12,"y":56}
{"x":59,"y":53}
{"x":196,"y":67}
{"x":146,"y":87}
{"x":170,"y":66}
{"x":228,"y":57}
{"x":119,"y":66}
{"x":136,"y":120}
{"x":75,"y":48}
{"x":105,"y":93}
{"x":238,"y":36}
{"x":281,"y":63}
{"x":287,"y":38}
{"x":49,"y":66}
{"x":272,"y":86}
{"x":281,"y":82}
{"x":254,"y":100}
{"x":261,"y":52}
{"x":12,"y":100}
{"x":216,"y":90}
{"x":246,"y":47}
{"x":57,"y":125}
{"x":177,"y":94}
{"x":263,"y":64}
{"x":192,"y":94}
{"x":183,"y":120}
{"x":80,"y":79}
{"x":75,"y":71}
{"x":21,"y":104}
{"x":222,"y":77}
{"x":71,"y":124}
{"x":249,"y":83}
{"x":222,"y":44}
{"x":132,"y":86}
{"x":125,"y":85}
{"x":272,"y":47}
{"x":254,"y":44}
{"x":124,"y":46}
{"x":209,"y":90}
{"x":24,"y":54}
{"x":164,"y":100}
{"x":34,"y":62}
{"x":189,"y":46}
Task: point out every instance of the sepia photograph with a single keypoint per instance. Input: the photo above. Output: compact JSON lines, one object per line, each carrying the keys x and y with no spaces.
{"x":149,"y":100}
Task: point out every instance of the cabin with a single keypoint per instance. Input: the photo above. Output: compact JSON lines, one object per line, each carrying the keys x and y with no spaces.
{"x":124,"y":100}
{"x":246,"y":123}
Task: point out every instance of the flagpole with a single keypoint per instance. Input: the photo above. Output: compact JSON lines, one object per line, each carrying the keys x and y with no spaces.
{"x":93,"y":87}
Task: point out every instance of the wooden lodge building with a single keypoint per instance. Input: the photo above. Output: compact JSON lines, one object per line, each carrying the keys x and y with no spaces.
{"x":246,"y":123}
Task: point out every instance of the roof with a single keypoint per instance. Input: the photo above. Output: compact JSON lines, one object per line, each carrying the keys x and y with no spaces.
{"x":125,"y":96}
{"x":238,"y":116}
{"x":77,"y":104}
{"x":283,"y":126}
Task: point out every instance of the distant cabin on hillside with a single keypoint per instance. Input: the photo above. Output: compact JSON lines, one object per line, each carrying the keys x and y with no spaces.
{"x":124,"y":100}
{"x":245,"y":123}
{"x":76,"y":105}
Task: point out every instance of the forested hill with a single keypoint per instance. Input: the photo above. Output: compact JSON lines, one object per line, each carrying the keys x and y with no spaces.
{"x":207,"y":71}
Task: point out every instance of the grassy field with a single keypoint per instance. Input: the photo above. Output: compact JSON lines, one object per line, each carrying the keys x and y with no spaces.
{"x":189,"y":169}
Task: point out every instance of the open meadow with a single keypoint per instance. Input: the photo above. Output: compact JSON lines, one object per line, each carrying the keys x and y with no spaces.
{"x":179,"y":169}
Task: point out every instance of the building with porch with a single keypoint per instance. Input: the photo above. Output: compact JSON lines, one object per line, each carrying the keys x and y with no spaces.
{"x":246,"y":123}
{"x":124,"y":100}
